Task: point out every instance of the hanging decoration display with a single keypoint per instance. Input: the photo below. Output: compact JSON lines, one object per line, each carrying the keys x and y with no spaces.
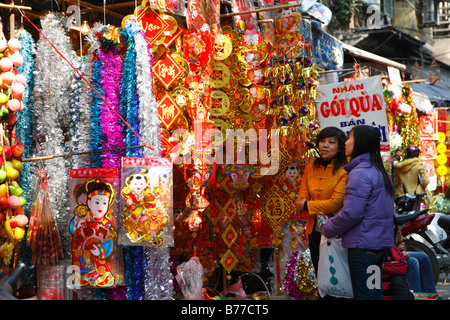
{"x":94,"y":227}
{"x":51,"y":113}
{"x":148,"y":130}
{"x":147,"y":195}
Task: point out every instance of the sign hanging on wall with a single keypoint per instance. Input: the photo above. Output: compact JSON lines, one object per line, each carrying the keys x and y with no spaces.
{"x":350,"y":103}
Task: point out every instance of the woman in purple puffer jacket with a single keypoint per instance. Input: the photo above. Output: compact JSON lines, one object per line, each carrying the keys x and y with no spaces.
{"x":366,"y":221}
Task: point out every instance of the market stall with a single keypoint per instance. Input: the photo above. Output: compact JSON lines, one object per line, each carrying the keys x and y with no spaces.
{"x":162,"y":159}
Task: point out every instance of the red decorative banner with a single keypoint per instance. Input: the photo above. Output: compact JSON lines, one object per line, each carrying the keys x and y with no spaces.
{"x":146,"y":162}
{"x":167,"y":71}
{"x":93,"y":173}
{"x":168,"y":110}
{"x":151,"y":23}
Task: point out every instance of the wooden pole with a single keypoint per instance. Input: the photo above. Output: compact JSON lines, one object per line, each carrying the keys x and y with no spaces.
{"x":76,"y":154}
{"x":96,"y":8}
{"x":13,"y":6}
{"x":259,"y":10}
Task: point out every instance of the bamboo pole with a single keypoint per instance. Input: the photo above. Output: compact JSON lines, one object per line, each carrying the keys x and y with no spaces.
{"x":76,"y":154}
{"x":96,"y":8}
{"x":13,"y":6}
{"x":227,"y":15}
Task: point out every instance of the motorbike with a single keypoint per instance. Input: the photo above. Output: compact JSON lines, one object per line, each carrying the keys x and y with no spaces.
{"x":417,"y":228}
{"x":9,"y":284}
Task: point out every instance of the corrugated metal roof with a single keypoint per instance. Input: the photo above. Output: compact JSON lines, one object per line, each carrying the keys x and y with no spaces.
{"x":434,"y":92}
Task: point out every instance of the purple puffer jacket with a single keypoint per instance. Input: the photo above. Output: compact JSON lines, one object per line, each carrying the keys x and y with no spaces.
{"x":367,"y":217}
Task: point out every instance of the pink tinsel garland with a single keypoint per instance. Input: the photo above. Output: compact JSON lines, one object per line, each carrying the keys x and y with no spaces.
{"x":111,"y":65}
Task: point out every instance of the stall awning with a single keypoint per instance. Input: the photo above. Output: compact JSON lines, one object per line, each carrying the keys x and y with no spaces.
{"x":436,"y":93}
{"x":373,"y":57}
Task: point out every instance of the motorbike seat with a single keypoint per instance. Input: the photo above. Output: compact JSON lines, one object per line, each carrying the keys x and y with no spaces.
{"x":402,"y":218}
{"x":444,"y":222}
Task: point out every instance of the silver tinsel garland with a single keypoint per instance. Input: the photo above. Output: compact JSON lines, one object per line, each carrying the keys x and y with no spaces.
{"x":158,"y":278}
{"x":81,"y":115}
{"x":52,"y":108}
{"x":148,"y":112}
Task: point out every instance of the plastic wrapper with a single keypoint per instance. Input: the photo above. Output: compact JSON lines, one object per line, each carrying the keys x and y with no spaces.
{"x":43,"y":234}
{"x":190,"y":278}
{"x":50,"y":282}
{"x":320,"y":222}
{"x":94,"y":227}
{"x":146,"y":202}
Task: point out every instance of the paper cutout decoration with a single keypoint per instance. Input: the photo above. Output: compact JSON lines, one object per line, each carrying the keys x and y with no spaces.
{"x":168,"y":110}
{"x":94,"y":227}
{"x":167,"y":71}
{"x":146,"y":191}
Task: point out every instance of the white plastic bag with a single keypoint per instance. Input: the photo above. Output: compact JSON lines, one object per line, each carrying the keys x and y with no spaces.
{"x":333,"y":276}
{"x":190,"y":278}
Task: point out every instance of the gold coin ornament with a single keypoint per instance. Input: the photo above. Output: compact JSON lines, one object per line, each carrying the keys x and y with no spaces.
{"x":181,"y":95}
{"x":441,"y":137}
{"x":220,"y":76}
{"x":222,"y":47}
{"x":442,"y":159}
{"x":441,"y":148}
{"x":442,"y":170}
{"x":220,"y":103}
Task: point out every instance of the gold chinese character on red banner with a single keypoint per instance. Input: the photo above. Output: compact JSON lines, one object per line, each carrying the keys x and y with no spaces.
{"x":167,"y":71}
{"x":168,"y":110}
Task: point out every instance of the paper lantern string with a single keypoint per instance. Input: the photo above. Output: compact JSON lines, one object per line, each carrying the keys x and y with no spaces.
{"x":81,"y":76}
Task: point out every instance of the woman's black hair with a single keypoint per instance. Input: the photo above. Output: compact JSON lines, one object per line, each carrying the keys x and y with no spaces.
{"x":367,"y":140}
{"x":337,"y":133}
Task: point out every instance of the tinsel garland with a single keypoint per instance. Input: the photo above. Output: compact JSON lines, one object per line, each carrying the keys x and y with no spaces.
{"x":129,"y":103}
{"x":148,"y":112}
{"x":158,"y":278}
{"x":52,"y":96}
{"x":440,"y":204}
{"x":129,"y":100}
{"x":95,"y":128}
{"x":110,"y":74}
{"x":81,"y":111}
{"x":24,"y":132}
{"x":300,"y":279}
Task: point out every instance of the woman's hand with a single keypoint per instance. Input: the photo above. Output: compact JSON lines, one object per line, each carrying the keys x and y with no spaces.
{"x":299,"y":204}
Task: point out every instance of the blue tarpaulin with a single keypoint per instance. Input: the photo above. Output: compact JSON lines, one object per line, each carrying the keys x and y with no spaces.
{"x":436,"y":92}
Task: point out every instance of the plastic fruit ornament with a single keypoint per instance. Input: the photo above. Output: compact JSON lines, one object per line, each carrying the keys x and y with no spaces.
{"x":4,"y":201}
{"x":6,"y":64}
{"x":13,"y":105}
{"x":19,"y":233}
{"x":3,"y":98}
{"x":8,"y":77}
{"x":17,"y":59}
{"x":3,"y":45}
{"x":3,"y":190}
{"x":11,"y":173}
{"x":14,"y":202}
{"x":20,"y":78}
{"x":17,"y":151}
{"x":17,"y":164}
{"x":2,"y":175}
{"x":22,"y":220}
{"x":14,"y":44}
{"x":13,"y":222}
{"x":17,"y":88}
{"x":8,"y":152}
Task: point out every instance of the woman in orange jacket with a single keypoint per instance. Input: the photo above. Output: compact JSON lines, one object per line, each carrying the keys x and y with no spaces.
{"x":322,"y":185}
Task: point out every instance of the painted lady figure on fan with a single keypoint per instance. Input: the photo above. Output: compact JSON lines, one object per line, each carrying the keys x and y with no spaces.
{"x":93,"y":234}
